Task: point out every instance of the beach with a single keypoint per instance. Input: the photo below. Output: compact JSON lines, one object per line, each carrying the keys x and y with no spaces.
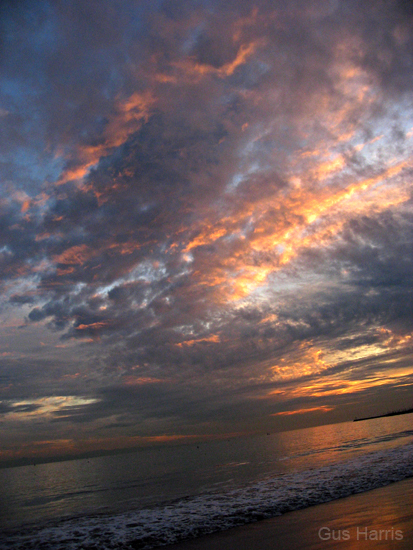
{"x":379,"y":518}
{"x":345,"y":485}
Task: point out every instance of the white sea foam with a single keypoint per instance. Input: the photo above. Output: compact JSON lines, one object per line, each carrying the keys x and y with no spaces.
{"x":195,"y":516}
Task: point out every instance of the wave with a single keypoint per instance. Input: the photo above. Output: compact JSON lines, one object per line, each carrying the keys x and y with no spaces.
{"x":191,"y":517}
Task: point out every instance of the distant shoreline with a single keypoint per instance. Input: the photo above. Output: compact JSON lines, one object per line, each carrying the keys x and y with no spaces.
{"x":392,"y":413}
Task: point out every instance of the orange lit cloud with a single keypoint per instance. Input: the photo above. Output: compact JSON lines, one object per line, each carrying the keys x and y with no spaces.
{"x":304,"y":361}
{"x":212,"y":338}
{"x":194,"y":69}
{"x":339,"y":385}
{"x":93,"y":326}
{"x":315,"y":217}
{"x":128,"y":116}
{"x":140,"y":380}
{"x":75,"y":255}
{"x":322,"y":408}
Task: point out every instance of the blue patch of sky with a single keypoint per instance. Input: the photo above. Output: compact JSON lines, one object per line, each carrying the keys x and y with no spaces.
{"x":13,"y":93}
{"x":45,"y":37}
{"x":31,"y":43}
{"x":32,"y":170}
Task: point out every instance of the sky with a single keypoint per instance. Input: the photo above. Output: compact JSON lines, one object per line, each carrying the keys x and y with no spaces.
{"x":206,"y":219}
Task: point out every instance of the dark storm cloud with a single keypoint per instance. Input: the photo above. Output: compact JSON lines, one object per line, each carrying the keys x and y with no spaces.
{"x":5,"y":408}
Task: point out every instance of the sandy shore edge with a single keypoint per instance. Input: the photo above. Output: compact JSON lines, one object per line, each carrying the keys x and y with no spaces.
{"x":379,"y":518}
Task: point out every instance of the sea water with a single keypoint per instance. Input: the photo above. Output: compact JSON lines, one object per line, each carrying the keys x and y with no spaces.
{"x":161,"y":495}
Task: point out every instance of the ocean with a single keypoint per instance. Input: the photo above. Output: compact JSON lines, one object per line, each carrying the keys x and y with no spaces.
{"x":162,"y":495}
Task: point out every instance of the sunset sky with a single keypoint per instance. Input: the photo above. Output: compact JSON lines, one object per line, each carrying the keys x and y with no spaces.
{"x":206,"y":218}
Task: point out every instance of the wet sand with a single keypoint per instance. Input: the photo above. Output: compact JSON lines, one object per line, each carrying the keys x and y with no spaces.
{"x":382,"y":518}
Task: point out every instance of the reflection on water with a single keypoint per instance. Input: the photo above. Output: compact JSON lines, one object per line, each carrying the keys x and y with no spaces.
{"x":349,"y":437}
{"x":152,"y":476}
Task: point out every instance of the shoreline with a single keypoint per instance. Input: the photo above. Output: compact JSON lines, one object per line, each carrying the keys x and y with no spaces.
{"x":338,"y":497}
{"x":386,"y":415}
{"x":381,"y":517}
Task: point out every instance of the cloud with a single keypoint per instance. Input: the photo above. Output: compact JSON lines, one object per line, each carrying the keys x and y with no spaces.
{"x":216,"y":208}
